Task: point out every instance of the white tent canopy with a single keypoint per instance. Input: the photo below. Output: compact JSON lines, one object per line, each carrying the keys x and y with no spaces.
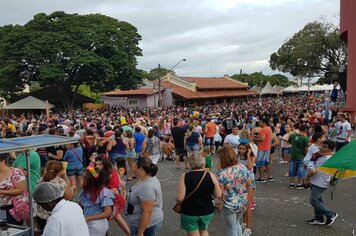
{"x":256,"y":88}
{"x":29,"y":103}
{"x":290,"y":89}
{"x":278,"y":88}
{"x":304,"y":88}
{"x":268,"y":89}
{"x":324,"y":87}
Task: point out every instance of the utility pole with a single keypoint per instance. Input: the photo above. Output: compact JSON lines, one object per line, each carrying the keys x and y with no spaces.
{"x":160,"y":79}
{"x":159,"y":85}
{"x":154,"y":95}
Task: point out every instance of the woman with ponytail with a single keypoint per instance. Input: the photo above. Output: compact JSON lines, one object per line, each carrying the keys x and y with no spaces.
{"x":54,"y":173}
{"x":144,"y":200}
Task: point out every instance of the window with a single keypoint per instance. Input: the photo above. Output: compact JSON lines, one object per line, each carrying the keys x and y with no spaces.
{"x":133,"y":102}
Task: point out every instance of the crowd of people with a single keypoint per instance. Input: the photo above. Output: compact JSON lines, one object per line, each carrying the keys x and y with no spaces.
{"x":80,"y":187}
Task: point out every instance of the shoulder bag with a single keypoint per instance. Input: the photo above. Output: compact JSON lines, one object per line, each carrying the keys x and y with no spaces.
{"x":21,"y":210}
{"x":178,"y":205}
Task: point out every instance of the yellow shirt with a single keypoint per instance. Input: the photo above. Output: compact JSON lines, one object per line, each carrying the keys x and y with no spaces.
{"x":11,"y":127}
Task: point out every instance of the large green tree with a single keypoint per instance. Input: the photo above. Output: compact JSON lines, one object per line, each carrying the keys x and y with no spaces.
{"x":156,"y":73}
{"x":69,"y":50}
{"x":314,"y":51}
{"x":259,"y":79}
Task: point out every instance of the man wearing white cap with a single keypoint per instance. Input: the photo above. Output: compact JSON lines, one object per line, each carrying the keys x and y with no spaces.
{"x":66,"y":217}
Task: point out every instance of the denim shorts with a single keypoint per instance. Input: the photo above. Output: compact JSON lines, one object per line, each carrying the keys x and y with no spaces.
{"x":195,"y":147}
{"x":263,"y":158}
{"x":193,"y":223}
{"x":115,"y":156}
{"x":296,"y":168}
{"x":150,"y":231}
{"x":286,"y":150}
{"x":76,"y":172}
{"x":209,"y":141}
{"x":131,"y":154}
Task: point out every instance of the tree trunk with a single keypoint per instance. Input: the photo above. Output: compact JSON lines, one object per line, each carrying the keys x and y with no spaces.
{"x":65,"y":93}
{"x":74,"y":97}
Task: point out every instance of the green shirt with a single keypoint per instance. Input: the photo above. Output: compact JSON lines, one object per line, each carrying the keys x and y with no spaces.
{"x":299,"y":144}
{"x":126,"y":127}
{"x":35,"y":165}
{"x":208,"y":162}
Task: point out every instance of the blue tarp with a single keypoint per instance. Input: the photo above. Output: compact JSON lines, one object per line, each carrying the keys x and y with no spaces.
{"x":33,"y":142}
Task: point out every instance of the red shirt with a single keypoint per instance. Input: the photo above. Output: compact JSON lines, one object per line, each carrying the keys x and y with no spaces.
{"x":265,"y":145}
{"x":114,"y":181}
{"x":210,"y":130}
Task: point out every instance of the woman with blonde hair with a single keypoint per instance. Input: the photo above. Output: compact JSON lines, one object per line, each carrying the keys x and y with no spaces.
{"x":131,"y":154}
{"x":195,"y":191}
{"x":54,"y":173}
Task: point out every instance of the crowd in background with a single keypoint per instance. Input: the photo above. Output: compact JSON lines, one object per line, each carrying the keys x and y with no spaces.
{"x":120,"y":145}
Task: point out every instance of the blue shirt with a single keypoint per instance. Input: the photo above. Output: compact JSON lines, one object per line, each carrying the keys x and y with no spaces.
{"x":74,"y":157}
{"x":139,"y":137}
{"x":193,"y":139}
{"x":105,"y":198}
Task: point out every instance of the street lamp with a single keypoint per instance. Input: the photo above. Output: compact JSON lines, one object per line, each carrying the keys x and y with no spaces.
{"x":184,"y":59}
{"x":160,"y":79}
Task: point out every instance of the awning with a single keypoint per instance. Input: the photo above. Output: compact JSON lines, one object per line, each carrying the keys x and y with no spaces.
{"x":32,"y":142}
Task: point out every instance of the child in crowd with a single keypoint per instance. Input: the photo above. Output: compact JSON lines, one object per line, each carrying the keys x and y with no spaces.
{"x":207,"y":155}
{"x":248,"y":159}
{"x":167,"y":149}
{"x":121,"y":169}
{"x":319,"y":183}
{"x":97,"y":202}
{"x":114,"y":183}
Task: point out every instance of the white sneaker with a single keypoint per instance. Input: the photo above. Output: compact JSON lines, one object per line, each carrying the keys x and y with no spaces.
{"x":247,"y":232}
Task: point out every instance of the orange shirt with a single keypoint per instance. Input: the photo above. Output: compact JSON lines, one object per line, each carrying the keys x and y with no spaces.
{"x":265,"y":145}
{"x":210,"y":130}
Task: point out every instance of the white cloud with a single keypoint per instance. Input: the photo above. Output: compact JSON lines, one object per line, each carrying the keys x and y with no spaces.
{"x":216,"y":36}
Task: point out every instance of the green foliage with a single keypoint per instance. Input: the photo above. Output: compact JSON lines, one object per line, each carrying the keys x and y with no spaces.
{"x":69,"y":50}
{"x":86,"y":91}
{"x":260,"y":79}
{"x":316,"y":50}
{"x":34,"y":87}
{"x":156,"y":73}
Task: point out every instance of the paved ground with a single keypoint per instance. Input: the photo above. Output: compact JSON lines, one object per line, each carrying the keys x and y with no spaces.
{"x":279,"y":210}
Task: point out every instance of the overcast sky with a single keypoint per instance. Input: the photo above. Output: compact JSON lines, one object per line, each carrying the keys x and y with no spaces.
{"x":216,"y":37}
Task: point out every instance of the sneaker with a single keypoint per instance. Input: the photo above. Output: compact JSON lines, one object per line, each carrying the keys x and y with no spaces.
{"x":281,"y":162}
{"x":270,"y":179}
{"x":261,"y":180}
{"x":316,"y":222}
{"x":299,"y":186}
{"x":292,"y":186}
{"x":243,"y":226}
{"x":330,"y":221}
{"x":247,"y":232}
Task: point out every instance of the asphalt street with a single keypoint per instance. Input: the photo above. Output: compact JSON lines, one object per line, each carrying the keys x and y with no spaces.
{"x":279,"y":210}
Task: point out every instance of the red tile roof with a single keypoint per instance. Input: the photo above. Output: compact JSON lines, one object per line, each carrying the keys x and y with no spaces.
{"x":140,"y":91}
{"x":189,"y":94}
{"x":214,"y":83}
